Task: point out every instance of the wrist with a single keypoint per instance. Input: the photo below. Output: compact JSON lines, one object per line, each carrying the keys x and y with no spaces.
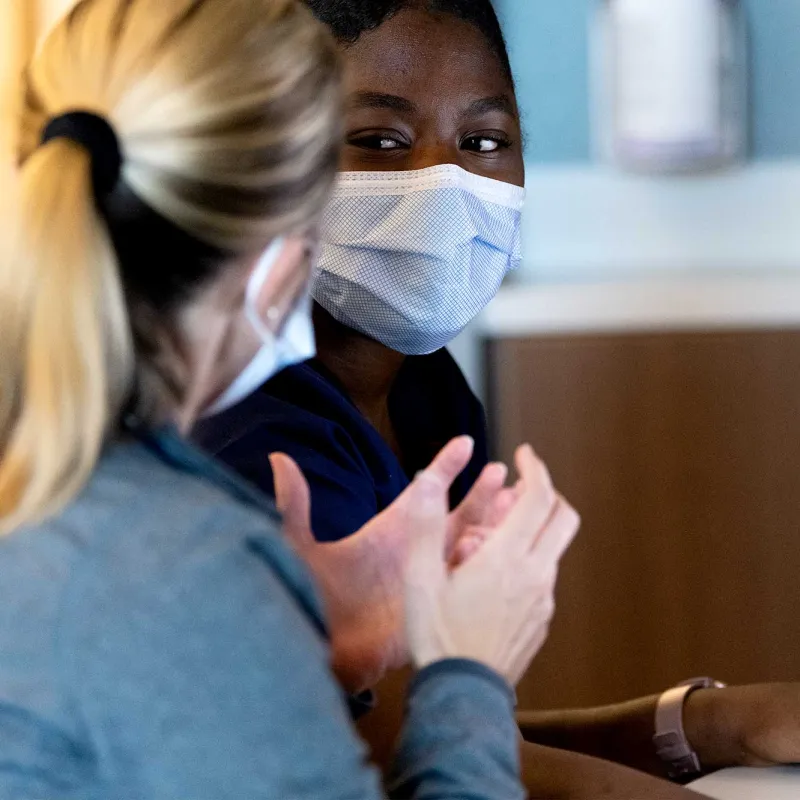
{"x":713,"y":729}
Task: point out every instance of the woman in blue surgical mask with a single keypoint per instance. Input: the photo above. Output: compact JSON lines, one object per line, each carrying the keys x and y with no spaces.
{"x":158,"y":637}
{"x":423,"y":227}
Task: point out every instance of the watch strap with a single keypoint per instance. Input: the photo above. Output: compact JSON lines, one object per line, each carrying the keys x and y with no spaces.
{"x":670,"y":741}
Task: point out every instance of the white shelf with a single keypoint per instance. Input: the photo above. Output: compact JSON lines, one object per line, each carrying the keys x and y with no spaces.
{"x":733,"y":303}
{"x":591,"y":223}
{"x":769,"y":302}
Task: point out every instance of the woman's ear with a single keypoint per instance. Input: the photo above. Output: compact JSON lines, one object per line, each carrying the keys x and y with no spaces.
{"x":288,"y":274}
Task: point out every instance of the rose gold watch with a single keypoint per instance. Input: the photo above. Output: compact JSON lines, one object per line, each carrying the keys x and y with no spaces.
{"x":672,"y":746}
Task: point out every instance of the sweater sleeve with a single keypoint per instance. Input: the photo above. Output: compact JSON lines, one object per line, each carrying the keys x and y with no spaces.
{"x":460,"y":739}
{"x":207,"y":680}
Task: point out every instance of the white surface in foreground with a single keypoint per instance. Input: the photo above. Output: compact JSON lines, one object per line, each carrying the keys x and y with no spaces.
{"x":751,"y":784}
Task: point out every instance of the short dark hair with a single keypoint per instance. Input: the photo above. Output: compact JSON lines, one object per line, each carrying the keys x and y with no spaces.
{"x":348,"y":19}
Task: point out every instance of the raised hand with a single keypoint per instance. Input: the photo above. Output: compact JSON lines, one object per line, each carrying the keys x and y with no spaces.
{"x":496,"y":607}
{"x":362,"y":577}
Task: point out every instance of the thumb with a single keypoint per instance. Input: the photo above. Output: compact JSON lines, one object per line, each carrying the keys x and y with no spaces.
{"x":448,"y":464}
{"x":293,"y":499}
{"x":427,"y":519}
{"x":452,"y":460}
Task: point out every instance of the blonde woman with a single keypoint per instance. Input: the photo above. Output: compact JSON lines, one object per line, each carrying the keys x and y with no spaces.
{"x":157,"y":638}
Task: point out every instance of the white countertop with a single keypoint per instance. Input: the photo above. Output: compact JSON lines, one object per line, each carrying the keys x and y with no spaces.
{"x":751,"y":784}
{"x":714,"y":303}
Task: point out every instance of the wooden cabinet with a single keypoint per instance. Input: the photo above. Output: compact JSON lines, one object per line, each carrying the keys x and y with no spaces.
{"x":682,"y":452}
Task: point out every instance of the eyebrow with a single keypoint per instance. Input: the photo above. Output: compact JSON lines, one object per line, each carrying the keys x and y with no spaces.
{"x":500,"y":102}
{"x":381,"y":100}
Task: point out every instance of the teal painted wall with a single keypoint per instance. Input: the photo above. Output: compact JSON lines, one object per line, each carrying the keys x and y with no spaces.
{"x":549,"y":46}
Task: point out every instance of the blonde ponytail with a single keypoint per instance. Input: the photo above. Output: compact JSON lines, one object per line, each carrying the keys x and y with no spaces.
{"x":227,"y":117}
{"x":67,"y":359}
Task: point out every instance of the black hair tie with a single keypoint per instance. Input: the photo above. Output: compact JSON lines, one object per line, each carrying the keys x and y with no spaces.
{"x":95,"y":134}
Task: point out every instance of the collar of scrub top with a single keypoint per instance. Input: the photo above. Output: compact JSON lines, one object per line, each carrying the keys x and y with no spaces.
{"x":171,"y":448}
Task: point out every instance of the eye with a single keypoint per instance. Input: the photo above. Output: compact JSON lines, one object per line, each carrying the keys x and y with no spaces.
{"x":376,"y":141}
{"x":486,"y":143}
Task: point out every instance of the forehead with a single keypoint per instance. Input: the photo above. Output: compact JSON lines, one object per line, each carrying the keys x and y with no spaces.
{"x":419,"y":54}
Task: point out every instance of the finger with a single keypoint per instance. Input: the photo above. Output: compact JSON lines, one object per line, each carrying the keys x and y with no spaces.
{"x":534,"y":502}
{"x":451,"y":461}
{"x":477,"y":508}
{"x":534,"y":478}
{"x":503,"y":502}
{"x":557,"y":534}
{"x":468,"y":545}
{"x":477,"y":505}
{"x":293,"y":499}
{"x":427,"y":518}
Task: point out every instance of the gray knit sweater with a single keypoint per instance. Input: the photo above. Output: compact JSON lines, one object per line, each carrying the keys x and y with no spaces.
{"x":158,"y":641}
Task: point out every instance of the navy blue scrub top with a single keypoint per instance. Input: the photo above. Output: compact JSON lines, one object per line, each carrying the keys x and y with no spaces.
{"x":353,"y":474}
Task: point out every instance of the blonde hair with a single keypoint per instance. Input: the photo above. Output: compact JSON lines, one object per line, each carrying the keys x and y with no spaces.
{"x":227,"y":112}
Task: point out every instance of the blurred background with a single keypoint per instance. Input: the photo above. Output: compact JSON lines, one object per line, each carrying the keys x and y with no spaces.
{"x":649,"y":347}
{"x":588,"y":223}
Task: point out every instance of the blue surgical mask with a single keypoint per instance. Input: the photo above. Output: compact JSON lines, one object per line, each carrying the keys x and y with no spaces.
{"x":295,"y":342}
{"x":411,"y":258}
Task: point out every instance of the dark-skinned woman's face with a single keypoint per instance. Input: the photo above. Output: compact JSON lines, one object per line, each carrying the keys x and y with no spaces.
{"x":426,"y":89}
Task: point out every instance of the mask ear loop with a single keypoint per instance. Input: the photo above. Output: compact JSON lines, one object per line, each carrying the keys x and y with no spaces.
{"x":254,"y":288}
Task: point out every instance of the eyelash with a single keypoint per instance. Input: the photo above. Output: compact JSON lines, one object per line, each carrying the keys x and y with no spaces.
{"x":374,"y":142}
